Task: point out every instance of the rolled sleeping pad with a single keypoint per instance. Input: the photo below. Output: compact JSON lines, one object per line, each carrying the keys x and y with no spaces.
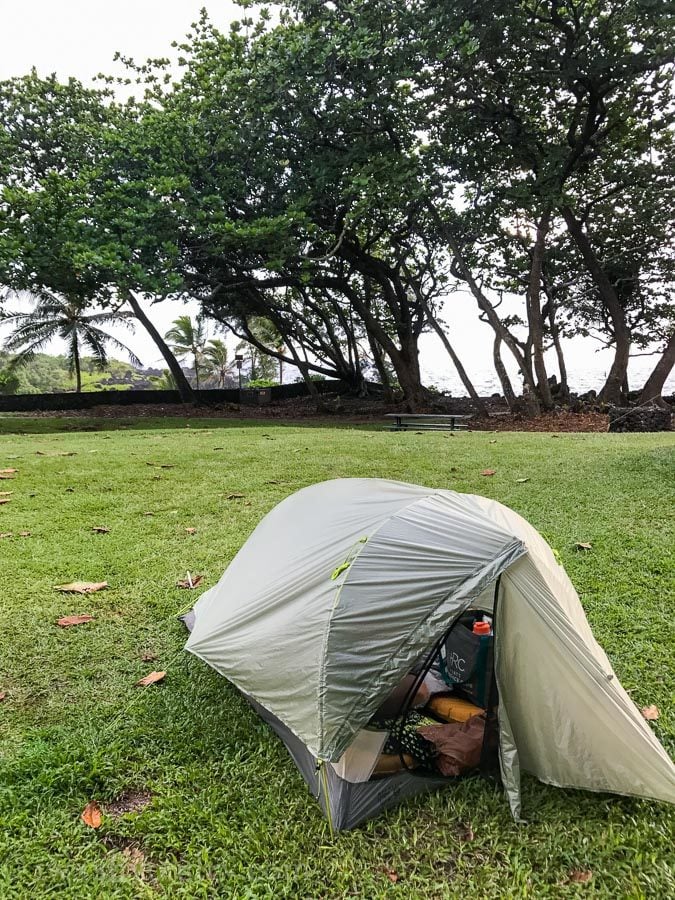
{"x":453,"y":709}
{"x":390,"y":763}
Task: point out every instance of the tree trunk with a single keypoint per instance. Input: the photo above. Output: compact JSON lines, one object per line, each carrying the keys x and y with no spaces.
{"x":651,"y":392}
{"x":480,"y":407}
{"x":534,"y":317}
{"x":380,"y":365}
{"x":311,"y":386}
{"x":611,"y":391}
{"x":562,"y":367}
{"x":187,"y":395}
{"x":76,"y":364}
{"x":497,"y":325}
{"x":405,"y":359}
{"x":625,"y":390}
{"x":502,"y":374}
{"x":407,"y":367}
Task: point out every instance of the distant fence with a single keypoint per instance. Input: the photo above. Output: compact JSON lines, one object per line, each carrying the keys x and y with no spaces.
{"x":91,"y":399}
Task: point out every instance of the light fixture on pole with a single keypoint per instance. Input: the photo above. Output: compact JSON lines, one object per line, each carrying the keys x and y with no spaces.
{"x":239,"y":359}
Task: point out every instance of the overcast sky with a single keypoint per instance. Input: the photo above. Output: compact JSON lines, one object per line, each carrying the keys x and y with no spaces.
{"x":80,"y":38}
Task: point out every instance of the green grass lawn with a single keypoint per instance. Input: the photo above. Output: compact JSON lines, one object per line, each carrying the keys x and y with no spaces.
{"x":229,"y":814}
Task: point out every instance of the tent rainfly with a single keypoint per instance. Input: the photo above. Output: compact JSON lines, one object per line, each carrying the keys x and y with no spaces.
{"x":346,"y":585}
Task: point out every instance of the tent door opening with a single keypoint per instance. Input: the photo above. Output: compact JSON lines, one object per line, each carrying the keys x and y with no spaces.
{"x":442,"y":719}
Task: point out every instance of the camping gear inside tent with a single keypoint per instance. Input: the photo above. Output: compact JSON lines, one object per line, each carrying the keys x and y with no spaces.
{"x":398,"y":637}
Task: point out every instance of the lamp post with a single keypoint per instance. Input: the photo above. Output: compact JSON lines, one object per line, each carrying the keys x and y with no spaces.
{"x":239,"y":359}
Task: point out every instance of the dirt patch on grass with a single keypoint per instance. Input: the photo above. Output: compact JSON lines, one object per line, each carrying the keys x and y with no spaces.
{"x":127,"y":802}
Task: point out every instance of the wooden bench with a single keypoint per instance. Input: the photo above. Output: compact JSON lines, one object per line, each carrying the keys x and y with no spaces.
{"x":427,"y":422}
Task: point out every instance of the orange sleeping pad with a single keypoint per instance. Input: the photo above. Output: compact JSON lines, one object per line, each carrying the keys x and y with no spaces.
{"x":391,"y":763}
{"x":453,"y":709}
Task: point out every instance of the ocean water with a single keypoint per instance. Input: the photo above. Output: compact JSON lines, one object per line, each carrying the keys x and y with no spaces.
{"x":587,"y":367}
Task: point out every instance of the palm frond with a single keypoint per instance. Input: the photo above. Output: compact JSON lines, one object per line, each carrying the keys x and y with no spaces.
{"x":126,"y":320}
{"x":28,"y":354}
{"x":96,"y":343}
{"x":105,"y":338}
{"x":28,"y":333}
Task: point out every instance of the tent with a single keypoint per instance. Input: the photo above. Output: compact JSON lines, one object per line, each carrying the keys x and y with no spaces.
{"x":345,"y":585}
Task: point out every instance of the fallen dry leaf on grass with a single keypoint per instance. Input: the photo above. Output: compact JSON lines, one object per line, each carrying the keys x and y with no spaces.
{"x":489,"y":472}
{"x":91,"y":815}
{"x":391,"y":874}
{"x":3,"y":694}
{"x":148,"y":656}
{"x":191,"y":531}
{"x":9,"y":472}
{"x":6,"y":534}
{"x":5,"y":499}
{"x":68,"y":621}
{"x":583,"y":545}
{"x":492,"y":442}
{"x":190,"y":582}
{"x":521,"y":480}
{"x":6,"y":493}
{"x":235,"y":496}
{"x":161,"y":465}
{"x":25,"y":533}
{"x":152,"y":678}
{"x":100,"y":529}
{"x":580,"y":876}
{"x":81,"y":587}
{"x":651,"y":713}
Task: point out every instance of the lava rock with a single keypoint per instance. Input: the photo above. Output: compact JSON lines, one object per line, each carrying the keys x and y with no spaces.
{"x":639,"y":418}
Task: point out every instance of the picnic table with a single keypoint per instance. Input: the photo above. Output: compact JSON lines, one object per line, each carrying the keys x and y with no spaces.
{"x":427,"y":421}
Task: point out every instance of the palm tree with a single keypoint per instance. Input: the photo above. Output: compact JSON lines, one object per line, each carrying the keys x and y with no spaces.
{"x":56,"y":316}
{"x":262,"y":366}
{"x":164,"y":382}
{"x":215,"y":361}
{"x":187,"y":337}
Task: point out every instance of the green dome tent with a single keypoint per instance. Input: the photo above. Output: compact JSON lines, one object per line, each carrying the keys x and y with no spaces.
{"x":345,"y":585}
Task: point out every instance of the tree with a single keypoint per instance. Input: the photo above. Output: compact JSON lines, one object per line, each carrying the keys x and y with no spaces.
{"x":74,"y":219}
{"x":54,"y":317}
{"x":261,"y":364}
{"x":544,"y":110}
{"x":9,"y":383}
{"x":215,"y":362}
{"x":284,"y":208}
{"x":164,"y":382}
{"x":187,"y":337}
{"x":653,"y":388}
